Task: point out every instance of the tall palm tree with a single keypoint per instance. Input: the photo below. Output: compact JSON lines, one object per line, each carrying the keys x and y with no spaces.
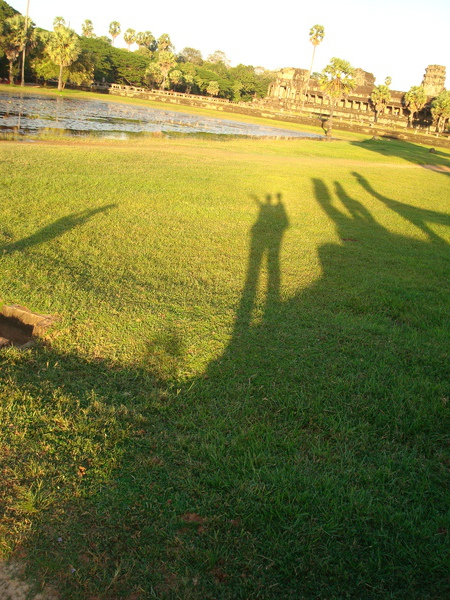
{"x":336,"y":81}
{"x":379,"y":97}
{"x":87,"y":28}
{"x":114,"y":30}
{"x":164,"y":42}
{"x":166,"y":61}
{"x":129,"y":37}
{"x":145,"y":39}
{"x":28,"y":35}
{"x":57,"y":21}
{"x":316,"y":35}
{"x":63,"y":49}
{"x":12,"y":40}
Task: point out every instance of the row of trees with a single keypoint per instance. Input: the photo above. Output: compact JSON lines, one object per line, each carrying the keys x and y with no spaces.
{"x":63,"y":55}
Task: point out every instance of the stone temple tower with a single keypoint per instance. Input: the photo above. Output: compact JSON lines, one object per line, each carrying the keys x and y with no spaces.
{"x":434,"y":80}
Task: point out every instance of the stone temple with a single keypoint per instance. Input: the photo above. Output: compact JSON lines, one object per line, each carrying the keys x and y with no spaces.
{"x":287,"y":93}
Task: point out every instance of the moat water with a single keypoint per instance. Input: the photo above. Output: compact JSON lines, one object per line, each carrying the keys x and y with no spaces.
{"x":32,"y":114}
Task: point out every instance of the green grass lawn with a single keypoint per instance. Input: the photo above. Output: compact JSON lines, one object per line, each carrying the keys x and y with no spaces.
{"x":241,"y":398}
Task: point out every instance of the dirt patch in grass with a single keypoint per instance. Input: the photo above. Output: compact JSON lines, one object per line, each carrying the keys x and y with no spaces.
{"x":13,"y":332}
{"x":19,"y":326}
{"x":14,"y":587}
{"x":438,"y":168}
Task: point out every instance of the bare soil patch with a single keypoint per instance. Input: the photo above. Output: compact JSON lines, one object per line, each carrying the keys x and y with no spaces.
{"x":14,"y":587}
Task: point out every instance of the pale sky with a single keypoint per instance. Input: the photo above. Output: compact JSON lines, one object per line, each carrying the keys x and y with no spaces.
{"x":396,"y":38}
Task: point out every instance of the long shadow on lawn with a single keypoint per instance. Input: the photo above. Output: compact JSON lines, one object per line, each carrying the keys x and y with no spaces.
{"x":54,"y":229}
{"x":438,"y":160}
{"x":307,"y":461}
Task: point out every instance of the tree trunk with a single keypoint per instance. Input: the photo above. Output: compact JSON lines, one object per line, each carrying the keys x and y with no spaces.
{"x":22,"y":81}
{"x":60,"y":86}
{"x":11,"y":76}
{"x":330,"y":120}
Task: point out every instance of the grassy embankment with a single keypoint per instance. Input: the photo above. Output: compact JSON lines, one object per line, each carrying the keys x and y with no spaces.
{"x":192,"y":427}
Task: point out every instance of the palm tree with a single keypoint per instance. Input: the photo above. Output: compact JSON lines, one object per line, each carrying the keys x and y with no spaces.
{"x":175,"y":78}
{"x":114,"y":30}
{"x":164,"y":42}
{"x":414,"y":101}
{"x":213,"y":88}
{"x":29,"y":34}
{"x":63,"y":49}
{"x":336,"y":81}
{"x":12,"y":40}
{"x":129,"y":37}
{"x":145,"y":39}
{"x":57,"y":21}
{"x":166,"y":61}
{"x":87,"y":28}
{"x":379,"y":97}
{"x":440,"y":109}
{"x":316,"y":35}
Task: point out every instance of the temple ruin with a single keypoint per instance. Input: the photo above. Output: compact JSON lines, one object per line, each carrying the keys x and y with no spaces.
{"x":290,"y":92}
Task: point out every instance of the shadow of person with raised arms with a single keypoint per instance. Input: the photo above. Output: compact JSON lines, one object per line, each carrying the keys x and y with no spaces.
{"x":266,"y":238}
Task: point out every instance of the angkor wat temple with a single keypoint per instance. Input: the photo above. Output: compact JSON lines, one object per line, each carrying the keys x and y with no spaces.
{"x":287,"y":92}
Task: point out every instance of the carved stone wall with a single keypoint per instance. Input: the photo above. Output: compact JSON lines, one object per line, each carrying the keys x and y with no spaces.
{"x":434,"y":80}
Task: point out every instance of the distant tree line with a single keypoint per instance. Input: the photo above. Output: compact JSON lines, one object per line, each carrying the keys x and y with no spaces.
{"x":67,"y":57}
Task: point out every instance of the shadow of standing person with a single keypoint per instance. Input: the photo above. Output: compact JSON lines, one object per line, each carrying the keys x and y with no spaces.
{"x":266,"y":237}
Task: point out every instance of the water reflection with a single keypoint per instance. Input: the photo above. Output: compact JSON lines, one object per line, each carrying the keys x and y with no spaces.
{"x":31,"y":114}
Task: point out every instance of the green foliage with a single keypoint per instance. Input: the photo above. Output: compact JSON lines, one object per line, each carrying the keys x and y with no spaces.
{"x":129,"y":67}
{"x":87,"y":28}
{"x":219,"y":57}
{"x":116,"y":65}
{"x":13,"y":39}
{"x":316,"y":34}
{"x":63,"y":48}
{"x":379,"y":98}
{"x":440,"y":109}
{"x":103,"y":56}
{"x":337,"y":80}
{"x":145,"y":39}
{"x":114,"y":30}
{"x":153,"y":75}
{"x":129,"y":37}
{"x":415,"y":99}
{"x":58,"y":21}
{"x":175,"y":77}
{"x":164,"y":43}
{"x":191,"y":55}
{"x":6,"y":11}
{"x":212,"y":89}
{"x":165,"y":61}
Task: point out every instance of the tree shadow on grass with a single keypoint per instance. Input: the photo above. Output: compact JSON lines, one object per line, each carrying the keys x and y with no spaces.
{"x":307,"y":461}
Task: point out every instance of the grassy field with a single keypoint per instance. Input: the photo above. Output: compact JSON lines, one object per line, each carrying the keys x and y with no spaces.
{"x":244,"y":397}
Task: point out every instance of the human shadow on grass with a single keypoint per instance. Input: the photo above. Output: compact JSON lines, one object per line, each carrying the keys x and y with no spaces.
{"x":266,"y":239}
{"x":306,"y":459}
{"x":55,"y":229}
